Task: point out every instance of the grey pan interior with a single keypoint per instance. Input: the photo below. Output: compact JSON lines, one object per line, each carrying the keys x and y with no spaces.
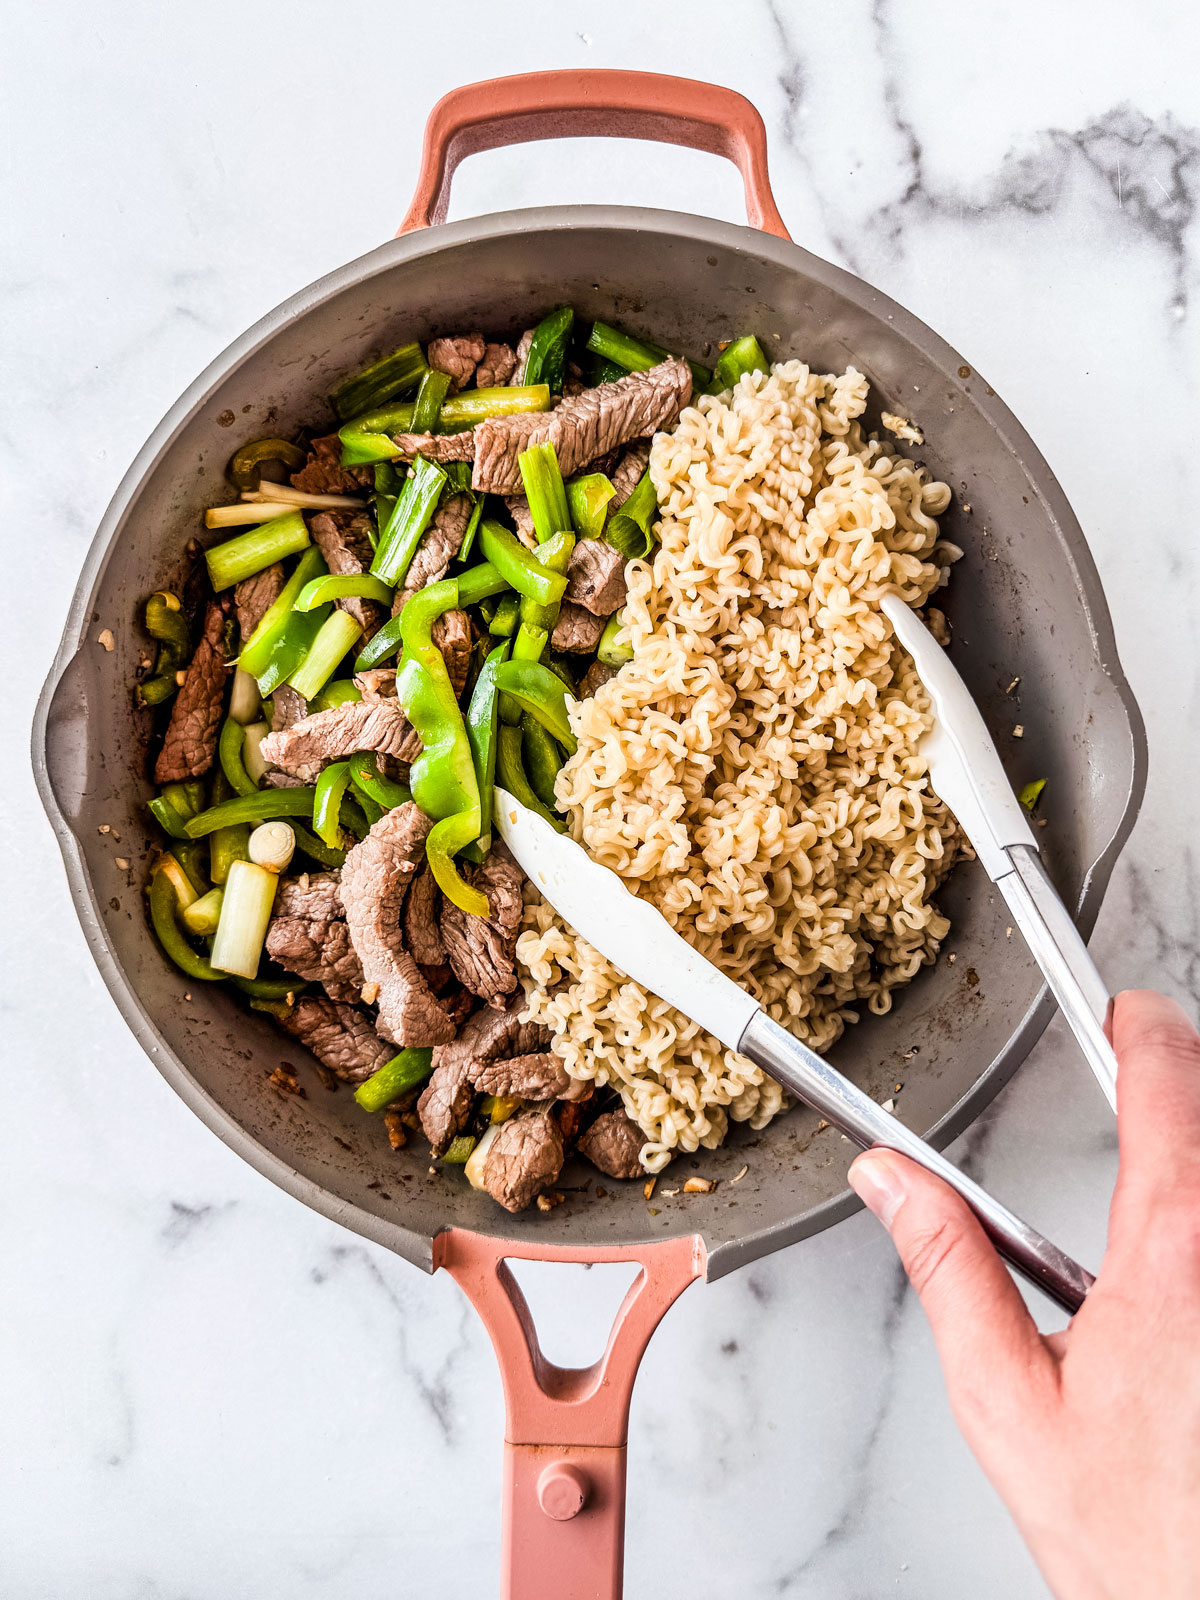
{"x":1026,"y":602}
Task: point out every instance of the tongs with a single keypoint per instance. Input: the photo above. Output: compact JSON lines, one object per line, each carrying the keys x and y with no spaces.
{"x":965,"y":771}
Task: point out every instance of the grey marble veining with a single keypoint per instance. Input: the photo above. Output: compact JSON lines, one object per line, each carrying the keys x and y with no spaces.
{"x":209,"y":1392}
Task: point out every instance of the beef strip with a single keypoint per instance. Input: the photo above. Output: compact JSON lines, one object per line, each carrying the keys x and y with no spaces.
{"x":442,"y":542}
{"x":525,"y":1156}
{"x":625,"y":475}
{"x":308,"y":935}
{"x":191,"y":738}
{"x":576,"y":629}
{"x":254,"y":597}
{"x":452,"y":635}
{"x":521,"y":355}
{"x":596,"y":676}
{"x":582,"y":426}
{"x":614,"y":1144}
{"x":481,"y":950}
{"x":458,"y":356}
{"x":281,"y":780}
{"x":437,"y":446}
{"x":596,"y":577}
{"x":344,"y":539}
{"x":421,"y":932}
{"x":287,"y":708}
{"x":486,"y":1036}
{"x":372,"y":723}
{"x":496,"y":366}
{"x":375,"y":881}
{"x":378,"y":682}
{"x":534,"y":1077}
{"x":341,"y":1037}
{"x":323,"y":472}
{"x":523,"y":517}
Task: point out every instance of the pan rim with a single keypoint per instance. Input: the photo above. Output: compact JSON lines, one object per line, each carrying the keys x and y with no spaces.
{"x":693,"y":230}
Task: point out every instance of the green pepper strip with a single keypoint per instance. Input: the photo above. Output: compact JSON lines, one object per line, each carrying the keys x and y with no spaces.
{"x":229,"y":752}
{"x":743,"y":355}
{"x":375,"y":385}
{"x":435,"y":386}
{"x":268,"y":989}
{"x":370,"y":810}
{"x":476,"y":584}
{"x":459,"y":1151}
{"x":631,"y":527}
{"x":344,"y":586}
{"x":394,"y":1078}
{"x":164,"y":903}
{"x":519,"y":566}
{"x":482,"y":732}
{"x":331,"y":789}
{"x":588,"y":499}
{"x":370,"y":782}
{"x":442,"y":778}
{"x":510,"y":775}
{"x":165,"y":623}
{"x":280,"y":642}
{"x":262,"y":806}
{"x":245,"y":466}
{"x":189,"y":853}
{"x":541,"y":758}
{"x":172,"y":822}
{"x":554,"y":554}
{"x":546,"y":361}
{"x":504,"y":619}
{"x":337,"y":692}
{"x":465,"y":548}
{"x":411,"y":515}
{"x":541,"y":692}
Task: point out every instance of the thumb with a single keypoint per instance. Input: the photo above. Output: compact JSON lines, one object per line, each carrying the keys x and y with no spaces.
{"x":988,"y":1344}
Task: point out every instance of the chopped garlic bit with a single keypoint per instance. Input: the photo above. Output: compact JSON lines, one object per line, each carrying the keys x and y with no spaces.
{"x":370,"y":993}
{"x":699,"y":1186}
{"x":822,"y":1125}
{"x":105,"y":637}
{"x":648,"y":1188}
{"x":552,"y":1198}
{"x":670,"y":1193}
{"x":902,"y":427}
{"x":104,"y":828}
{"x":889,"y":1105}
{"x":739,"y":1175}
{"x":1019,"y":731}
{"x":1012,"y":686}
{"x":123,"y":863}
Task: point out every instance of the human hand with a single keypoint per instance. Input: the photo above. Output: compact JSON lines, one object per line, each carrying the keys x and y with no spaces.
{"x":1090,"y":1436}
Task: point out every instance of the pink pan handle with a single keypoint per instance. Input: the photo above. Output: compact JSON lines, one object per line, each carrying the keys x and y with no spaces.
{"x":566,"y":1427}
{"x":581,"y":102}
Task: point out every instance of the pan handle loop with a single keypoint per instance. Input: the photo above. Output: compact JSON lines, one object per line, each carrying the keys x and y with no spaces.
{"x":579,"y":102}
{"x":566,"y":1427}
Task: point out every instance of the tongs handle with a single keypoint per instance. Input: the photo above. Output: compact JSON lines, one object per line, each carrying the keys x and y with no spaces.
{"x":1056,"y":946}
{"x":805,"y":1074}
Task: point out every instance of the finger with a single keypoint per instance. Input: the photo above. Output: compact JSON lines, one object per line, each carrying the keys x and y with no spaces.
{"x":991,"y":1352}
{"x":1158,"y":1098}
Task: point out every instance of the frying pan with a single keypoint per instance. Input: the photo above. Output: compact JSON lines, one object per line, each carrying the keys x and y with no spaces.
{"x":1025,"y":604}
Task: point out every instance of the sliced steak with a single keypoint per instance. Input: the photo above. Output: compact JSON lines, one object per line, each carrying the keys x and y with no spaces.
{"x":596,"y":577}
{"x":439,"y":447}
{"x":308,"y":935}
{"x":482,"y":950}
{"x":344,"y":539}
{"x":255,"y":596}
{"x":627,"y":473}
{"x":375,"y":880}
{"x":442,"y":542}
{"x":281,"y":780}
{"x":596,"y":676}
{"x":614,"y":1144}
{"x":457,"y":357}
{"x":521,"y":356}
{"x":452,"y":635}
{"x":287,"y":708}
{"x":421,"y":932}
{"x":191,"y":738}
{"x":323,"y":472}
{"x":576,"y":628}
{"x":582,"y":426}
{"x":486,"y":1036}
{"x":525,"y":1156}
{"x":534,"y":1077}
{"x":495,"y":367}
{"x":523,"y":517}
{"x":341,"y":1037}
{"x":372,"y":723}
{"x":376,"y":682}
{"x":444,"y":1107}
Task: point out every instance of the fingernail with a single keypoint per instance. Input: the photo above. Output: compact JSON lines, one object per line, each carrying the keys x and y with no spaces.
{"x":878,"y":1185}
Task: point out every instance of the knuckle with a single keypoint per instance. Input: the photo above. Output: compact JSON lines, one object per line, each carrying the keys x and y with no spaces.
{"x":929,"y":1252}
{"x":1168,"y":1036}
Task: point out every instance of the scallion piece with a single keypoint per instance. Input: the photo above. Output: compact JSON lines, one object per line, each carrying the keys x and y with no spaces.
{"x":272,"y":845}
{"x":631,"y":529}
{"x":546,"y":361}
{"x":253,"y":760}
{"x":464,"y":550}
{"x":245,"y":702}
{"x":544,"y":490}
{"x":368,"y":438}
{"x":743,"y":355}
{"x":609,"y":651}
{"x":250,"y":552}
{"x":504,"y":619}
{"x":343,"y":586}
{"x":375,"y":385}
{"x":406,"y":526}
{"x":245,"y":912}
{"x":172,"y":822}
{"x":245,"y":512}
{"x":231,"y":755}
{"x":636,"y":355}
{"x":588,"y":499}
{"x":406,"y":1071}
{"x":435,"y":386}
{"x":203,"y":915}
{"x":338,"y":634}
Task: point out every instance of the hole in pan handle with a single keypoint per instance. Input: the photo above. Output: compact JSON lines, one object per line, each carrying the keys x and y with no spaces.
{"x":565,"y":1427}
{"x":596,"y":102}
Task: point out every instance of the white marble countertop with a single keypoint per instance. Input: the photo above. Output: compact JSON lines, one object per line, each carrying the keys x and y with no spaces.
{"x":209,"y":1391}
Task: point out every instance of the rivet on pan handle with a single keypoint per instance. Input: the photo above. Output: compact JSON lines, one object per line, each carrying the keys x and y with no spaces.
{"x":566,"y":1428}
{"x":582,"y":102}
